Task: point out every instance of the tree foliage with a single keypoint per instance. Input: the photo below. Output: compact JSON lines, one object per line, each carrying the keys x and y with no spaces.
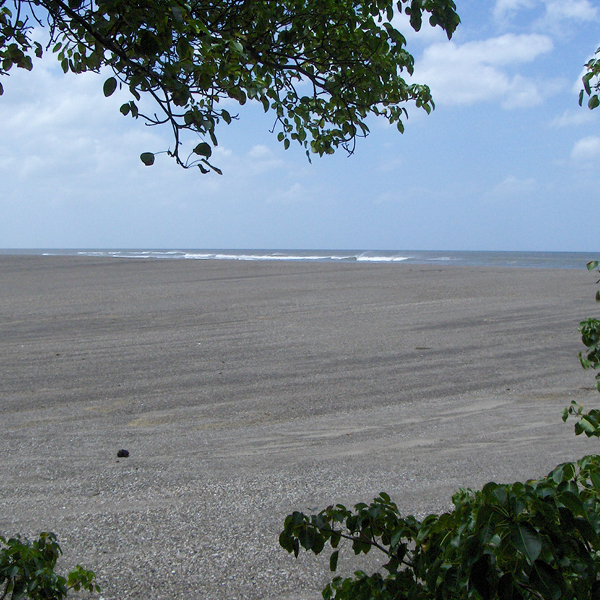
{"x":319,"y":66}
{"x":591,"y":82}
{"x":523,"y":541}
{"x":589,"y":421}
{"x":27,"y":570}
{"x":538,"y":540}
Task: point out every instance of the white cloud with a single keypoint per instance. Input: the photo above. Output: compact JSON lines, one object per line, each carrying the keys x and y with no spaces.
{"x":586,"y":149}
{"x":391,"y":164}
{"x":576,"y":10}
{"x":521,"y":92}
{"x":469,"y":73}
{"x":511,"y":188}
{"x":261,"y":159}
{"x":296,"y":193}
{"x":551,"y":14}
{"x":505,"y":8}
{"x":260,"y":152}
{"x":574,"y":118}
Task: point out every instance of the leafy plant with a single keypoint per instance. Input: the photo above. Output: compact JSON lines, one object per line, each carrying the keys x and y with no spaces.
{"x":319,"y":67}
{"x":591,"y":82}
{"x":539,"y":539}
{"x":590,"y":336}
{"x":589,"y":422}
{"x":27,"y":570}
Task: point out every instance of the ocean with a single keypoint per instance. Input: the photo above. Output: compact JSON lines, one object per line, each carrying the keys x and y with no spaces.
{"x":555,"y":260}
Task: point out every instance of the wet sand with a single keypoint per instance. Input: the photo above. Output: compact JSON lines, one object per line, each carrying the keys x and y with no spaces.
{"x":246,"y":390}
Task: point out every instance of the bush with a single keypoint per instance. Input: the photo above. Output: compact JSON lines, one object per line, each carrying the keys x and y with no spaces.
{"x":27,"y":570}
{"x":538,"y":539}
{"x":521,"y":541}
{"x":589,"y":422}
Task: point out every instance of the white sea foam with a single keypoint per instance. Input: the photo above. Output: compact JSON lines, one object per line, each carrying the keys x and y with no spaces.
{"x":280,"y":256}
{"x":561,"y":260}
{"x":382,"y":258}
{"x":296,"y":256}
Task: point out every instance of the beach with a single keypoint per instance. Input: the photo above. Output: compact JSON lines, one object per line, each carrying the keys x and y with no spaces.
{"x":247,"y":390}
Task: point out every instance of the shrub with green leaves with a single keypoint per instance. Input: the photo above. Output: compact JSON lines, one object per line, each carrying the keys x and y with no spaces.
{"x":533,"y":540}
{"x":538,"y":540}
{"x":27,"y":570}
{"x":589,"y":421}
{"x":590,"y":336}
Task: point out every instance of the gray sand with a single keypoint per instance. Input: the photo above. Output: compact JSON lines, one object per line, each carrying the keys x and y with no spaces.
{"x":244,"y":391}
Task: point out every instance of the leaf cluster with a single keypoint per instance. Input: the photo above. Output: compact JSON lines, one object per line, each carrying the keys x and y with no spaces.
{"x":534,"y":540}
{"x":589,"y":422}
{"x":591,"y":82}
{"x":321,"y":68}
{"x":27,"y":570}
{"x":15,"y":44}
{"x":590,"y":336}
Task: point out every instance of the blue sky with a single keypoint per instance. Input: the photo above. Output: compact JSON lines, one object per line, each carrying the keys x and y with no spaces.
{"x":507,"y":161}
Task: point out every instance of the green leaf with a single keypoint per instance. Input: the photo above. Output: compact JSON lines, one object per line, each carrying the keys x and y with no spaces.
{"x":592,"y":265}
{"x":110,"y":85}
{"x":563,"y":472}
{"x":526,"y":540}
{"x":147,"y":158}
{"x":392,"y":566}
{"x":572,"y":502}
{"x":506,"y":587}
{"x":177,"y":13}
{"x":588,"y":425}
{"x":586,"y":82}
{"x":546,"y":580}
{"x":593,"y":102}
{"x":595,"y":477}
{"x":203,"y":149}
{"x":335,"y":539}
{"x":478,"y":578}
{"x":587,"y":531}
{"x":333,"y":560}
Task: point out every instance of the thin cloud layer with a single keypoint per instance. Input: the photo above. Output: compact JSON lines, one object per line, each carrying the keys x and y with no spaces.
{"x":504,"y":8}
{"x":477,"y":71}
{"x":549,"y":14}
{"x":510,"y":189}
{"x":586,"y":150}
{"x":574,"y":118}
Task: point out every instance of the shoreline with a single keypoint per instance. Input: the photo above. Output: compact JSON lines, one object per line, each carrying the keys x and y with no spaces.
{"x":473,"y":258}
{"x":247,"y":390}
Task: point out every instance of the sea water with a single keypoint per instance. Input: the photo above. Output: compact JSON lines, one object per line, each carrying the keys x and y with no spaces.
{"x":557,"y":260}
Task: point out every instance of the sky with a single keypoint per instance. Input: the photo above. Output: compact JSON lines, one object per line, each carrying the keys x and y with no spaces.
{"x":507,"y":161}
